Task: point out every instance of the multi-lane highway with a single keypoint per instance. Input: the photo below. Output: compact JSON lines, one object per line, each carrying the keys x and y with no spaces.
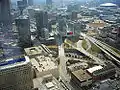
{"x":104,"y":47}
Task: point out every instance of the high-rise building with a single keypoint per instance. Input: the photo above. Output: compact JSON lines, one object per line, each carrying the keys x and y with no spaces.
{"x":30,"y":2}
{"x":48,"y":2}
{"x":23,"y":27}
{"x":41,"y":21}
{"x":74,"y":15}
{"x":117,"y":2}
{"x":5,"y":17}
{"x":25,"y":3}
{"x":16,"y":74}
{"x":45,"y":33}
{"x":22,"y":5}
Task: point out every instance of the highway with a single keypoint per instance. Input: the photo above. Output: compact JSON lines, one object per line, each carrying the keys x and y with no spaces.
{"x":103,"y":47}
{"x":84,"y":52}
{"x":107,"y":47}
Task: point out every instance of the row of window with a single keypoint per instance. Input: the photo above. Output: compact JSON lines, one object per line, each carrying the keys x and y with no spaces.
{"x":15,"y":69}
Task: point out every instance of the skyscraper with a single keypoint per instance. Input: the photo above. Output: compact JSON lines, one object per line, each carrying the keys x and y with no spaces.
{"x":5,"y":11}
{"x":48,"y":2}
{"x":41,"y":21}
{"x":117,"y":2}
{"x":25,"y":3}
{"x":20,"y":6}
{"x":74,"y":15}
{"x":30,"y":2}
{"x":16,"y":74}
{"x":23,"y":27}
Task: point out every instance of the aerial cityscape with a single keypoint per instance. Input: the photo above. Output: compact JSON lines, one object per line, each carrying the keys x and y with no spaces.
{"x":59,"y":44}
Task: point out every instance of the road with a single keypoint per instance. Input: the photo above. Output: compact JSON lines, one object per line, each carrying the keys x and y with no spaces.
{"x":103,"y":47}
{"x":107,"y":47}
{"x":98,"y":61}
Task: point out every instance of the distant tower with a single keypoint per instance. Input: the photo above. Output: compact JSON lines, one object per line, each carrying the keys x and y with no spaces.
{"x":25,"y":3}
{"x":117,"y":2}
{"x":16,"y":74}
{"x":5,"y":17}
{"x":22,"y":5}
{"x":74,"y":15}
{"x":23,"y":27}
{"x":41,"y":21}
{"x":48,"y":2}
{"x":30,"y":2}
{"x":44,"y":33}
{"x":62,"y":3}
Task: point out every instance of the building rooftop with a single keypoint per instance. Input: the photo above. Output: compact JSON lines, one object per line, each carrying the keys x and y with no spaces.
{"x":93,"y":69}
{"x":51,"y":84}
{"x":81,"y":75}
{"x":42,"y":63}
{"x":97,"y":23}
{"x":105,"y":69}
{"x":108,"y":5}
{"x":22,"y":17}
{"x":39,"y":60}
{"x":33,"y":51}
{"x":13,"y":62}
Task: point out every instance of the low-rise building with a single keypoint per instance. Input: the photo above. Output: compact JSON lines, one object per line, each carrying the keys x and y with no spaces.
{"x":47,"y":82}
{"x":97,"y":24}
{"x":81,"y":78}
{"x":101,"y":73}
{"x":42,"y":62}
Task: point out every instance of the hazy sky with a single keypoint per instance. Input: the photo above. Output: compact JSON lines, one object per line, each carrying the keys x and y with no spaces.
{"x":39,"y":1}
{"x":45,"y":0}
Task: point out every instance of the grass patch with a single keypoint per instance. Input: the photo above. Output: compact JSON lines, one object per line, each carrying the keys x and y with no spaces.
{"x":1,"y":51}
{"x":94,"y":49}
{"x":84,"y":44}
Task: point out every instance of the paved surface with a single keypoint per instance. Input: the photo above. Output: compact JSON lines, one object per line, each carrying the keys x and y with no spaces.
{"x":107,"y":47}
{"x":85,"y":52}
{"x":104,"y":48}
{"x":88,"y":44}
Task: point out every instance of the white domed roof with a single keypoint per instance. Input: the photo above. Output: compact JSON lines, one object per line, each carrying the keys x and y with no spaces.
{"x":108,"y":5}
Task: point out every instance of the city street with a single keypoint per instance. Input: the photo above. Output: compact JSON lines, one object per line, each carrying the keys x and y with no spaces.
{"x":79,"y":48}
